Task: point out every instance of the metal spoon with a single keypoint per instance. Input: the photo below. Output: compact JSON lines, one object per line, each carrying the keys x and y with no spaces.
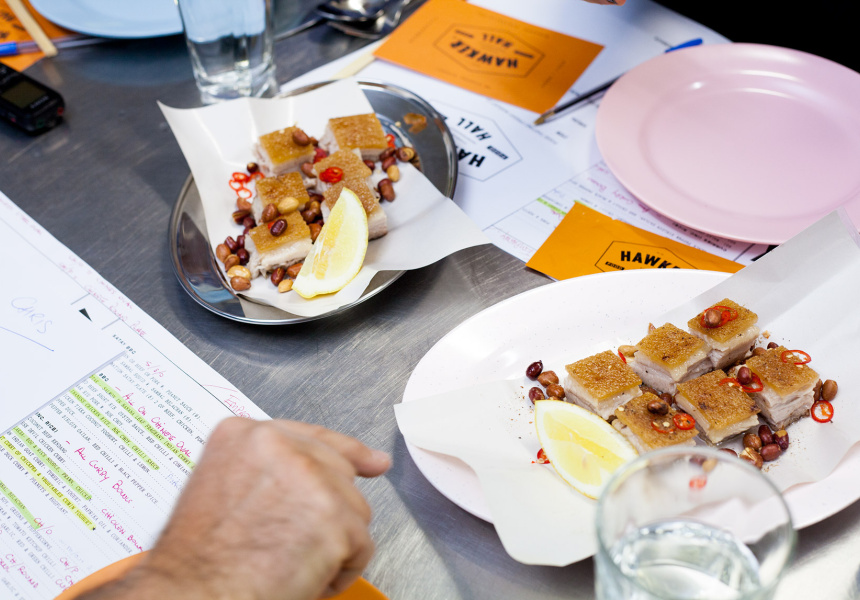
{"x":378,"y":28}
{"x":343,"y":11}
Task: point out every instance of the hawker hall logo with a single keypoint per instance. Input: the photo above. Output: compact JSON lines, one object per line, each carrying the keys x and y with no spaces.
{"x":488,"y":51}
{"x":624,"y":256}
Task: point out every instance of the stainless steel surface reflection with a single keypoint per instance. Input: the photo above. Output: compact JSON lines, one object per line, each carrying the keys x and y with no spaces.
{"x":105,"y":182}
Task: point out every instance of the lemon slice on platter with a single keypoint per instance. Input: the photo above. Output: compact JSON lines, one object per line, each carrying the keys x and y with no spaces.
{"x":583,"y":448}
{"x":339,"y":250}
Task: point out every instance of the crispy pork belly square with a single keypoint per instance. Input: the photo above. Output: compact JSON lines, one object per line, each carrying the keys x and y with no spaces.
{"x":377,"y":221}
{"x":277,"y":190}
{"x":732,"y":339}
{"x":362,"y":132}
{"x":721,"y":410}
{"x":668,"y":355}
{"x":278,"y":153}
{"x":268,"y":252}
{"x":601,"y":383}
{"x":349,"y":162}
{"x":636,"y":423}
{"x":787,"y":388}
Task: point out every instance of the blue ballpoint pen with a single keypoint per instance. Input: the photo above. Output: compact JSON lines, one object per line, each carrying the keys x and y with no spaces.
{"x":14,"y":48}
{"x":583,"y":97}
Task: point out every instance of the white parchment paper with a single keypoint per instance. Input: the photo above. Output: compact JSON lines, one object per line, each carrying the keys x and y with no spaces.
{"x":805,"y":293}
{"x":423,"y":225}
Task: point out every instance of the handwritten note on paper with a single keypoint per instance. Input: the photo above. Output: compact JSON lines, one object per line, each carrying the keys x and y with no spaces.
{"x":47,"y":346}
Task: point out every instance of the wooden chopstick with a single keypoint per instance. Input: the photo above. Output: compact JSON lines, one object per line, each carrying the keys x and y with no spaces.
{"x":36,"y":32}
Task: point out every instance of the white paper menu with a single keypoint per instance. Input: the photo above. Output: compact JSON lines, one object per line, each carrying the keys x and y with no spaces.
{"x":92,"y":477}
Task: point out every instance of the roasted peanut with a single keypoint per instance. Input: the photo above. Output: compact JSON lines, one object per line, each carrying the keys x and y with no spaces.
{"x":712,"y":318}
{"x":759,"y":351}
{"x":667,"y":398}
{"x":231,"y":243}
{"x":752,"y":457}
{"x":243,"y":256}
{"x":534,"y":369}
{"x":278,"y":275}
{"x":547,"y":377}
{"x":816,"y":391}
{"x":315,"y":230}
{"x":240,"y":284}
{"x":828,"y":390}
{"x":780,"y":438}
{"x":370,"y":164}
{"x":536,"y":394}
{"x":391,"y":160}
{"x":554,"y":390}
{"x":285,"y":286}
{"x":293,"y":270}
{"x":231,"y":261}
{"x":278,"y":227}
{"x":301,"y":138}
{"x":252,"y":167}
{"x":765,"y":434}
{"x":308,"y":170}
{"x":770,"y":452}
{"x":270,"y":213}
{"x":222,"y":252}
{"x":240,"y":241}
{"x":239,"y":271}
{"x":249,"y":222}
{"x":288,"y":205}
{"x":753,"y":441}
{"x":239,"y":216}
{"x":658,"y":407}
{"x":393,"y":173}
{"x":772,"y":345}
{"x":386,"y":153}
{"x":405,"y":154}
{"x":386,"y":190}
{"x":744,"y":376}
{"x":243,"y":204}
{"x":729,"y":451}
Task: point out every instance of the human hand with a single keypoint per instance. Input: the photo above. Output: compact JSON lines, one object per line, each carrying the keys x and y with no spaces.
{"x":270,"y":512}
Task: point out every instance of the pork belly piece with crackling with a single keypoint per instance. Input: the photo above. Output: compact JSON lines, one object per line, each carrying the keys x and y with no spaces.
{"x":732,"y":338}
{"x":362,"y":132}
{"x":668,"y":355}
{"x":350,"y":164}
{"x":787,"y":388}
{"x":637,"y":424}
{"x":287,"y":192}
{"x":268,"y":252}
{"x":601,"y":383}
{"x":377,"y":221}
{"x":721,"y":410}
{"x":278,"y":153}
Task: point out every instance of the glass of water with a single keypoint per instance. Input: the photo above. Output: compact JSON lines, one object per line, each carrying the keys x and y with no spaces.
{"x":231,"y":46}
{"x":691,"y":523}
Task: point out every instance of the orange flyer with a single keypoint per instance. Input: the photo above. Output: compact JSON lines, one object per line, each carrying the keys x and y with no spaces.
{"x":488,"y":53}
{"x":587,"y":241}
{"x":11,"y":30}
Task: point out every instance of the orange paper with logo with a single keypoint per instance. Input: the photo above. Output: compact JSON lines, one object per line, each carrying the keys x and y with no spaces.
{"x":489,"y":53}
{"x":11,"y":30}
{"x":587,"y":241}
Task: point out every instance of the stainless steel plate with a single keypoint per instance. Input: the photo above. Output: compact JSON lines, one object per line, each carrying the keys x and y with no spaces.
{"x":195,"y":264}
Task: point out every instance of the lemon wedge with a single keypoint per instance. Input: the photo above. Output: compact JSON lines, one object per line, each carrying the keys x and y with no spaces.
{"x":339,"y":250}
{"x":583,"y":448}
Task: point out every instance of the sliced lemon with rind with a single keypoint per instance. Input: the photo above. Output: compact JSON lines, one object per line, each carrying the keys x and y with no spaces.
{"x":583,"y":448}
{"x":339,"y":250}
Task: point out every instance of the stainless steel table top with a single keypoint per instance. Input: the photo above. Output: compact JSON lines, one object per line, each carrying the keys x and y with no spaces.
{"x":104,"y":183}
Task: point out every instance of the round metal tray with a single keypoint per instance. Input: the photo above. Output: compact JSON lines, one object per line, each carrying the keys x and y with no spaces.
{"x":195,"y":264}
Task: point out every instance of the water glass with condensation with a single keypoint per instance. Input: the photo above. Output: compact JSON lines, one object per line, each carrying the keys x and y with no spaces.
{"x":691,"y":523}
{"x":231,"y":46}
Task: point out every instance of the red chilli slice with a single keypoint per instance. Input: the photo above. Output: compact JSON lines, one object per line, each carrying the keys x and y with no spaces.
{"x":821,"y":411}
{"x":683,"y":421}
{"x":805,"y":358}
{"x":663,"y":425}
{"x":698,"y":482}
{"x":241,"y":177}
{"x":541,"y":458}
{"x":332,"y":175}
{"x":390,"y":139}
{"x":621,"y":356}
{"x":756,"y":386}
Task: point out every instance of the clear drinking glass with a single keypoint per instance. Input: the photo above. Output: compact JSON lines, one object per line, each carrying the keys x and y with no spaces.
{"x":684,"y":523}
{"x":231,"y":46}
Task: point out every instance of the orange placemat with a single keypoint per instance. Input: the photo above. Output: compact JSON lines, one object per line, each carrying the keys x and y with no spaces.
{"x":12,"y":31}
{"x":489,"y":53}
{"x":360,"y":590}
{"x":587,"y":241}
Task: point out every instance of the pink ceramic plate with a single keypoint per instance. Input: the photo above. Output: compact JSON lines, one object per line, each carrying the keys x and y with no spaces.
{"x":743,"y":141}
